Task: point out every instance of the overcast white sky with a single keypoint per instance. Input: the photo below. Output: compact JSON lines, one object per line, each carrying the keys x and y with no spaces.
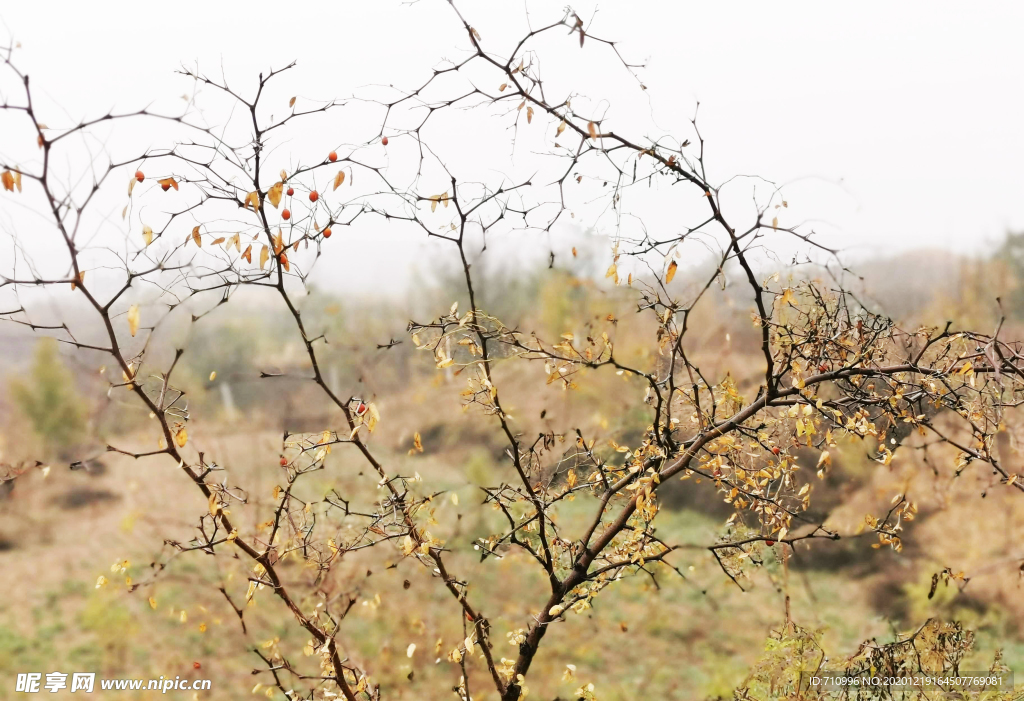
{"x":897,"y":124}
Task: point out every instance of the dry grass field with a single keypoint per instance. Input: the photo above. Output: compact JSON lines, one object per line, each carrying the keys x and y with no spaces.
{"x":679,"y":635}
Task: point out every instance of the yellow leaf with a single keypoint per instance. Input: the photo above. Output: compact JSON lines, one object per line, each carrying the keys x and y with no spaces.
{"x":196,"y":237}
{"x":264,"y":256}
{"x":612,"y":271}
{"x":592,"y":129}
{"x":147,"y":235}
{"x":339,"y":179}
{"x":671,"y":273}
{"x":433,"y":204}
{"x":374,"y":417}
{"x":181,"y":438}
{"x":8,"y":180}
{"x":529,"y":115}
{"x":214,"y":503}
{"x":133,"y":319}
{"x":213,"y":376}
{"x":291,"y":102}
{"x":253,"y":200}
{"x":152,"y":603}
{"x":561,"y":128}
{"x":775,"y":223}
{"x":248,"y":254}
{"x":274,"y":193}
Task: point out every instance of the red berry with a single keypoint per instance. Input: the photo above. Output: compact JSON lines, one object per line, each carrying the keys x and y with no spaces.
{"x":291,"y":191}
{"x":139,"y":176}
{"x":769,"y":543}
{"x":286,"y":215}
{"x":196,"y":665}
{"x":313,"y":197}
{"x":284,"y":461}
{"x":327,"y":233}
{"x":776,"y":450}
{"x":384,"y":141}
{"x":822,"y":367}
{"x":332,"y":156}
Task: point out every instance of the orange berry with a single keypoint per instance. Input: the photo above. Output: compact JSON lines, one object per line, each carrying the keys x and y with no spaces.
{"x":139,"y":176}
{"x":384,"y":141}
{"x":775,"y":450}
{"x":332,"y":156}
{"x":286,"y":215}
{"x":166,"y":187}
{"x":313,"y":197}
{"x":291,"y":191}
{"x":197,"y":665}
{"x":284,"y":461}
{"x":327,"y":233}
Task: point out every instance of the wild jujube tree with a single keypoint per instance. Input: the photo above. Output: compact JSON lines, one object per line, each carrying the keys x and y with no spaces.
{"x":225,"y":207}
